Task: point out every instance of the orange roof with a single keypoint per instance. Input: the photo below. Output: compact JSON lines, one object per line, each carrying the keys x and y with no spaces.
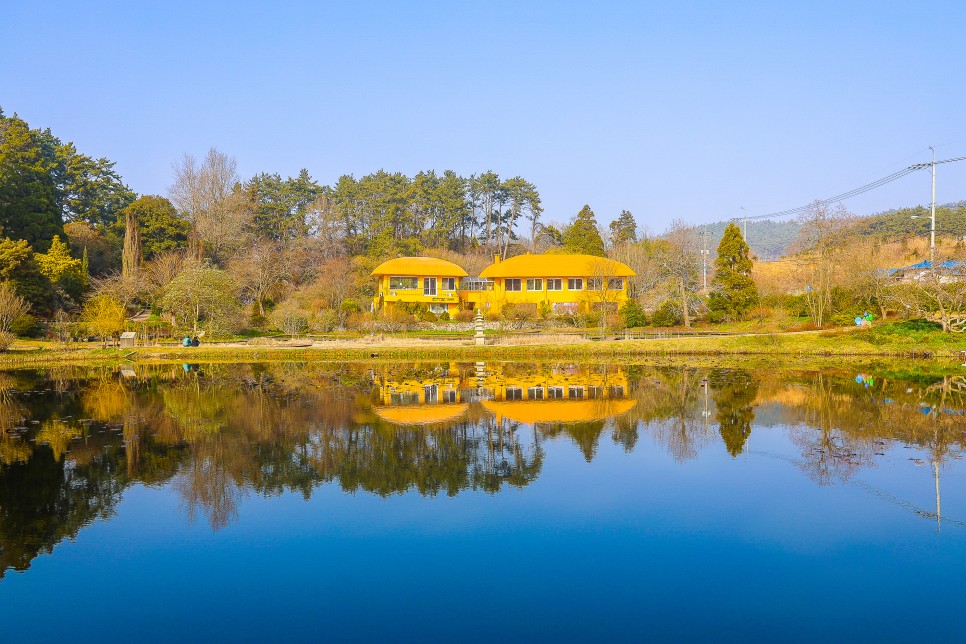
{"x":557,"y":266}
{"x":419,"y":266}
{"x":421,"y":414}
{"x":559,"y":411}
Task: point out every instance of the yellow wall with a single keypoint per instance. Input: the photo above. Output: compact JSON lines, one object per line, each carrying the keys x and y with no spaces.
{"x":384,"y":294}
{"x":592,"y":382}
{"x":586,"y":299}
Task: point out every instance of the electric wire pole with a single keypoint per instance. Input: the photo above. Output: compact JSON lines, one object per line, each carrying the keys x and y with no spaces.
{"x":704,"y":258}
{"x":932,"y":226}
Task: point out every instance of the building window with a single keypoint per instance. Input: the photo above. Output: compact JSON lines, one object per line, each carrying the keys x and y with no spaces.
{"x":575,"y":393}
{"x":554,"y":284}
{"x":616,"y":284}
{"x":431,"y":393}
{"x":535,"y":284}
{"x":594,"y":283}
{"x":555,"y":393}
{"x":595,"y":392}
{"x":438,"y":309}
{"x":403,"y":283}
{"x":449,"y":396}
{"x":429,"y":286}
{"x":404,"y":398}
{"x":575,"y":284}
{"x":449,"y":284}
{"x":512,"y":284}
{"x":535,"y":393}
{"x":514,"y":393}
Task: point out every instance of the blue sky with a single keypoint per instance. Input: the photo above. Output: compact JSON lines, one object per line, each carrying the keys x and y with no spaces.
{"x":671,"y":110}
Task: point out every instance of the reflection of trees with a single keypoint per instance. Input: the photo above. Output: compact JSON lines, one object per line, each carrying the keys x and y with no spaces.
{"x":667,"y":404}
{"x":387,"y":460}
{"x":585,"y":435}
{"x":43,"y":502}
{"x":734,"y":391}
{"x":13,"y":449}
{"x":224,"y":432}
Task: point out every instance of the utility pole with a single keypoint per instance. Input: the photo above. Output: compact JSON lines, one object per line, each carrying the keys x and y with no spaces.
{"x":704,"y":258}
{"x":932,"y":227}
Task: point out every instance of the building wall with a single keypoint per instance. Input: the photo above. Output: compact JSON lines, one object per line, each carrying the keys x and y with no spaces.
{"x":387,"y":297}
{"x":583,"y":299}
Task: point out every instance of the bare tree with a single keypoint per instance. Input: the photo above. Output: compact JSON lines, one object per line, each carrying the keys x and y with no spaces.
{"x":939,"y":293}
{"x":821,"y":247}
{"x":209,"y":195}
{"x":603,"y":289}
{"x":680,"y":263}
{"x":260,"y":270}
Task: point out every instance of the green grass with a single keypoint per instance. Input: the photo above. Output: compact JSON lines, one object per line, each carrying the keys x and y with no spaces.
{"x":900,"y":341}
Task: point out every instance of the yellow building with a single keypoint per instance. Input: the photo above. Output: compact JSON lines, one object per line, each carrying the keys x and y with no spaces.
{"x":566,"y":283}
{"x":559,"y":393}
{"x":418,"y":280}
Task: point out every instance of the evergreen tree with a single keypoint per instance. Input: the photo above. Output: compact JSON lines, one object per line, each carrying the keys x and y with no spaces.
{"x":733,"y":292}
{"x":623,"y":230}
{"x":734,"y":392}
{"x":159,"y":227}
{"x":582,"y":235}
{"x":28,"y":193}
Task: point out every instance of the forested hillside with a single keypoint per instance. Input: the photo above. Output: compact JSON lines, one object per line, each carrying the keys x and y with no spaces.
{"x":771,"y":240}
{"x":767,"y":239}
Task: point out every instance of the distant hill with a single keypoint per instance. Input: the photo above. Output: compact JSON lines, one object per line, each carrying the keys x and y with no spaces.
{"x":771,"y":240}
{"x":768,"y":240}
{"x":895,"y":224}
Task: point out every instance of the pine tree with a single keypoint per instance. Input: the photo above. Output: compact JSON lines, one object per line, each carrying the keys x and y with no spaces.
{"x":733,"y":292}
{"x":582,"y":235}
{"x":623,"y":230}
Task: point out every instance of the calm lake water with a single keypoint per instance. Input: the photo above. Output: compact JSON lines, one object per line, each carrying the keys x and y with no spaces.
{"x":472,"y":501}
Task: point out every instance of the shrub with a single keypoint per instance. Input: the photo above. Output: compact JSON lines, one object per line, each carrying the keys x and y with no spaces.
{"x":633,"y":314}
{"x":519,"y":312}
{"x":349,"y":305}
{"x":464,"y":315}
{"x":444,"y":316}
{"x":544,"y":310}
{"x":918,"y":325}
{"x":426,"y":316}
{"x":716,"y":316}
{"x":668,"y":314}
{"x":492,"y":316}
{"x":6,"y":340}
{"x":25,"y":325}
{"x":615,"y":322}
{"x":324,"y":321}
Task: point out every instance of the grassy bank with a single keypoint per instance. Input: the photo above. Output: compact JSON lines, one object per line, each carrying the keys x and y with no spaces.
{"x":889,"y":342}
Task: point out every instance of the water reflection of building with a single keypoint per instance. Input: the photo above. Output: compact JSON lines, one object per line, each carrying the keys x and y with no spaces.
{"x":521,"y":393}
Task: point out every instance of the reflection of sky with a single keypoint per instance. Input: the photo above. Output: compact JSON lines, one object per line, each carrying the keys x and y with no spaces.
{"x":628,"y":546}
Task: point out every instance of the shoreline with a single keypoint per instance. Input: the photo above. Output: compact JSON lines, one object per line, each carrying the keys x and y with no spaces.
{"x":809,"y":347}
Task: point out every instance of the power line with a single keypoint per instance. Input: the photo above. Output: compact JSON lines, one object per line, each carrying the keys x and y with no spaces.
{"x":855,"y":191}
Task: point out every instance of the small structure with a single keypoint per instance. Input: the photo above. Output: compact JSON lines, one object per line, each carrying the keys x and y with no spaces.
{"x":128,"y":339}
{"x":948,"y":270}
{"x":478,"y":320}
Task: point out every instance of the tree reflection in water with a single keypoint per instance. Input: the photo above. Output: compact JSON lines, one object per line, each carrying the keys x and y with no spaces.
{"x":72,"y":439}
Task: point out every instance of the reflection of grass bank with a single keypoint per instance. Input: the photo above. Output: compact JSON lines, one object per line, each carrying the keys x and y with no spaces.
{"x":886,"y":342}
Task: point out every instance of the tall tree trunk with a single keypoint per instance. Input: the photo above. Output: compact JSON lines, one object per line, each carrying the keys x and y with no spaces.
{"x":684,"y":305}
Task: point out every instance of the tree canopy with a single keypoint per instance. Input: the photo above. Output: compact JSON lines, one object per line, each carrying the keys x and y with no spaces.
{"x":582,"y":235}
{"x":733,"y":291}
